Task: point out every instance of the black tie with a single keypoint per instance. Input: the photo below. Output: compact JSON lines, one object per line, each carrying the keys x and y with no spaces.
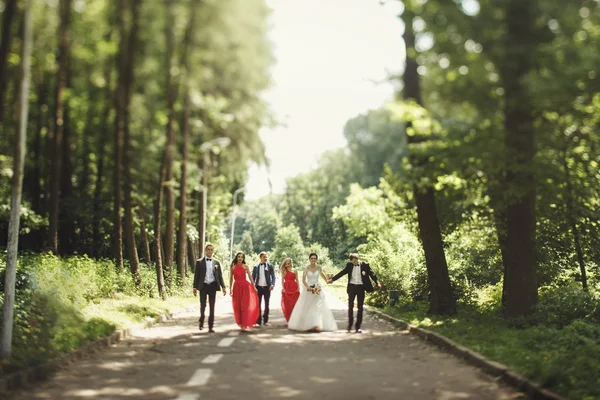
{"x":209,"y":259}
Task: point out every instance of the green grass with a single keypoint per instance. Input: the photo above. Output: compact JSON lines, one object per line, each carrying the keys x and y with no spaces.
{"x":128,"y":310}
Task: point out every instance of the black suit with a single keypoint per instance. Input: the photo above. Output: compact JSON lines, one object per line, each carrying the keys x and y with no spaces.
{"x":208,"y":289}
{"x":357,"y":291}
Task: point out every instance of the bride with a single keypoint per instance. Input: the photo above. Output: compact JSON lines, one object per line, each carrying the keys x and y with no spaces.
{"x":311,"y":312}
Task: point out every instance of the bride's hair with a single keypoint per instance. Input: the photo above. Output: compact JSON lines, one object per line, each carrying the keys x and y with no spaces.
{"x":234,"y":261}
{"x":313,"y":254}
{"x":284,"y":263}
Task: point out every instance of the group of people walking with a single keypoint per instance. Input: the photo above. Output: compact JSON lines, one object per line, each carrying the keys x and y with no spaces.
{"x":251,"y":288}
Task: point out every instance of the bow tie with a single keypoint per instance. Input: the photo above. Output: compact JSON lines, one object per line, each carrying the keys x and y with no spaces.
{"x":209,"y":259}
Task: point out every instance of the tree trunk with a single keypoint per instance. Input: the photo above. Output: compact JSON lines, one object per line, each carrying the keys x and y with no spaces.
{"x":157,"y":234}
{"x":67,"y":214}
{"x":170,"y":148}
{"x":36,"y":179}
{"x":8,"y":15}
{"x":202,"y":204}
{"x":521,"y":280}
{"x":63,"y":34}
{"x":144,"y":235}
{"x":17,"y":185}
{"x":118,"y":138}
{"x":97,"y":201}
{"x":182,"y":231}
{"x":182,"y":239}
{"x":192,"y":255}
{"x":500,"y":224}
{"x":572,"y":219}
{"x":129,"y":77}
{"x":442,"y":298}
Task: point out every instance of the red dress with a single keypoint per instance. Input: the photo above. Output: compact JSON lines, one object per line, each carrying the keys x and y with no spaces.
{"x":244,"y":299}
{"x":290,"y":297}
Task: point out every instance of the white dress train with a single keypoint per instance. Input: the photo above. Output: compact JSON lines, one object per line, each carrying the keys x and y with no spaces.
{"x":311,"y":309}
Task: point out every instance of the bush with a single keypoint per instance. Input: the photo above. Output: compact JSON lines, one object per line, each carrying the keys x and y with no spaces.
{"x":51,"y":293}
{"x":397,"y":260}
{"x":559,"y":306}
{"x":473,"y":254}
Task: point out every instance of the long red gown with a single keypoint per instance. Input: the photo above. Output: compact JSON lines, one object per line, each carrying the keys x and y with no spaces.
{"x":244,"y":299}
{"x":290,"y":297}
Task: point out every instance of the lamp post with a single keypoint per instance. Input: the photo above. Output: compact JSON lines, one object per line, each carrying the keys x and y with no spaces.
{"x":238,"y":191}
{"x":212,"y":146}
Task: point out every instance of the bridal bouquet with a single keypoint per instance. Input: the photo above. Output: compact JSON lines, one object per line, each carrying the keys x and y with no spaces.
{"x":315,"y":289}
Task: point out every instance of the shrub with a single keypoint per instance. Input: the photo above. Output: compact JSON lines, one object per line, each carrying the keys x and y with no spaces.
{"x":559,"y":306}
{"x":396,"y":259}
{"x":51,"y":293}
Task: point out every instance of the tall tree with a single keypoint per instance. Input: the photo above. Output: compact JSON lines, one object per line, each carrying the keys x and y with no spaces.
{"x":166,"y":169}
{"x":520,"y":279}
{"x":17,"y":185}
{"x":101,"y":161}
{"x":8,"y":15}
{"x":121,"y":98}
{"x":182,"y":230}
{"x":129,"y":59}
{"x":57,"y":142}
{"x":442,"y":298}
{"x":170,"y":146}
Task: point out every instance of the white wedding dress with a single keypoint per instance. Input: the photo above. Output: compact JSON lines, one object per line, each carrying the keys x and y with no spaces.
{"x":311,"y":309}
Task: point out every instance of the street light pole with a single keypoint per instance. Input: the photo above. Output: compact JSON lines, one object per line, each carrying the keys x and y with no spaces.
{"x":233,"y":221}
{"x":212,"y":146}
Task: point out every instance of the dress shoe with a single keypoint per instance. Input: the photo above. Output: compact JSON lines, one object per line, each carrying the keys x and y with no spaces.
{"x":211,"y":330}
{"x":200,"y":326}
{"x":358,"y":331}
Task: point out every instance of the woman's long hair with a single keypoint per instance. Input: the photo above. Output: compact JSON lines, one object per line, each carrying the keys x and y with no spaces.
{"x":234,"y":261}
{"x":283,"y":265}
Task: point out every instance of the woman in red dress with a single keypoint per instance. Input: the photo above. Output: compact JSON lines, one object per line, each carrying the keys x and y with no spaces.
{"x":245,"y":299}
{"x":290,"y":289}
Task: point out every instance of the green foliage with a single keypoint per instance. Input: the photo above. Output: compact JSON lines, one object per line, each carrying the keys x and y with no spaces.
{"x":59,"y":304}
{"x":322,"y":252}
{"x":560,"y":306}
{"x":397,"y":259}
{"x":561,"y":356}
{"x":288,"y":243}
{"x":364,"y":213}
{"x":245,"y":244}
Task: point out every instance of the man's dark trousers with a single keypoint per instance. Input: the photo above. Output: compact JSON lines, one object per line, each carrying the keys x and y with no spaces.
{"x":208,"y":290}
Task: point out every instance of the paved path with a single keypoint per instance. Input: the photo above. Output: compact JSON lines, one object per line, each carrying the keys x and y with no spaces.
{"x":174,"y":360}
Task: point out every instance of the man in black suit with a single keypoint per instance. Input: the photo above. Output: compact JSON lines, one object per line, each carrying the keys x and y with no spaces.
{"x":208,"y":279}
{"x":359,"y":281}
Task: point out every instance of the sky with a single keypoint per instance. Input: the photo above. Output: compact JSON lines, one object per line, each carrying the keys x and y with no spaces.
{"x":329,"y":55}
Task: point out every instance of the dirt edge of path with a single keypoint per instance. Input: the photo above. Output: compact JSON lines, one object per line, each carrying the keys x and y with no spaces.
{"x":492,"y":368}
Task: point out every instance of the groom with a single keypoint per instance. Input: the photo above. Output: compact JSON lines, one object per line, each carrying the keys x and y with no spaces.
{"x":359,"y":281}
{"x":263,"y":275}
{"x":208,"y":279}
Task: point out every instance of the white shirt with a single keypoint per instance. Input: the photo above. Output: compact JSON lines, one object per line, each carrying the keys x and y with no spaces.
{"x":356,"y":279}
{"x":210,"y":272}
{"x":262,"y":280}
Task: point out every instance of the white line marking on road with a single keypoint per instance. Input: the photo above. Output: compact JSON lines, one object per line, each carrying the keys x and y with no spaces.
{"x":226,"y":342}
{"x":188,"y":396}
{"x":212,"y":359}
{"x":234,"y":333}
{"x":200,"y":377}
